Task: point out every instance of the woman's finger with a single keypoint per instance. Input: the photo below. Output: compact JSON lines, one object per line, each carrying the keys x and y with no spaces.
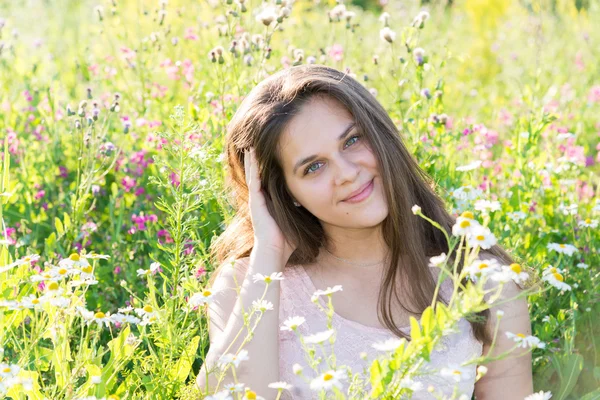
{"x":254,"y":175}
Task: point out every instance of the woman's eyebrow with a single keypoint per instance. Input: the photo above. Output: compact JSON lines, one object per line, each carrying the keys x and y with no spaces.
{"x":314,"y":156}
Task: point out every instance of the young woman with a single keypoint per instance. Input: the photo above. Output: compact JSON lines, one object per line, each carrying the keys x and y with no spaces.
{"x":324,"y":186}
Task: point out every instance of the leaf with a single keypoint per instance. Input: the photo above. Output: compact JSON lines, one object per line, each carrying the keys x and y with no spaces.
{"x":427,"y":320}
{"x":378,"y":371}
{"x":595,"y":395}
{"x":59,"y":227}
{"x":181,"y":369}
{"x":570,"y":367}
{"x":120,"y":353}
{"x":67,"y":220}
{"x":415,"y":329}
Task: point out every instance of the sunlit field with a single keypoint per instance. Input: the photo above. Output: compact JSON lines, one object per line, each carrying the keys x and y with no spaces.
{"x":113,"y":116}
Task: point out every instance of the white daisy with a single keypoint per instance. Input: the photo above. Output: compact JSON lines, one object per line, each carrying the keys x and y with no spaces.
{"x":320,"y":337}
{"x":32,"y":301}
{"x":467,"y":193}
{"x":251,"y":395}
{"x":8,"y":371}
{"x":124,"y":319}
{"x":43,"y":276}
{"x":24,"y":260}
{"x":275,"y":276}
{"x":388,"y":345}
{"x":486,"y":205}
{"x":483,"y":267}
{"x":416,"y":209}
{"x":148,"y":319}
{"x":204,"y":297}
{"x":222,"y":395}
{"x":582,"y":265}
{"x":541,"y":395}
{"x":292,"y":323}
{"x":510,"y":272}
{"x":567,"y":249}
{"x":437,"y":261}
{"x":262,"y":305}
{"x":526,"y":341}
{"x":94,"y":256}
{"x":59,"y":273}
{"x":457,"y":373}
{"x":556,"y":279}
{"x":145,"y":311}
{"x":481,"y":236}
{"x":80,"y":282}
{"x":568,"y":210}
{"x":143,"y":272}
{"x":328,"y":291}
{"x":469,"y":167}
{"x":411,"y":385}
{"x":516,"y":216}
{"x":234,"y":387}
{"x":230,"y":358}
{"x":280,"y":385}
{"x":327,"y":380}
{"x":588,"y":223}
{"x":74,"y":261}
{"x":464,"y":224}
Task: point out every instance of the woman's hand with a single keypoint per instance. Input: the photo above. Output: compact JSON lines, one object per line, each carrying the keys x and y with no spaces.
{"x":267,"y":234}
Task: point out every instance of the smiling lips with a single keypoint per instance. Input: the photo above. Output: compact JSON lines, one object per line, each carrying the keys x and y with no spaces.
{"x":362,"y":193}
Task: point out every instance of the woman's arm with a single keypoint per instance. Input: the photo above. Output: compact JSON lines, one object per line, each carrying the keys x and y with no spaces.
{"x":511,"y":377}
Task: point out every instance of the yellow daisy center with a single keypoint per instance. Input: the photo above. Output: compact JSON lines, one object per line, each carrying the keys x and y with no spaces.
{"x":87,"y":269}
{"x":553,"y":270}
{"x":465,"y":224}
{"x":62,"y":271}
{"x":558,"y":277}
{"x":99,"y":314}
{"x":327,"y":377}
{"x":467,"y":214}
{"x":113,"y":397}
{"x":521,"y":335}
{"x":515,"y":268}
{"x":148,"y":309}
{"x":268,"y":279}
{"x":456,"y":372}
{"x":6,"y":370}
{"x":206,"y":293}
{"x":250,"y":394}
{"x":27,"y":259}
{"x":74,"y":257}
{"x":35,"y":301}
{"x":588,"y":221}
{"x":53,"y":286}
{"x":479,"y":237}
{"x":562,"y":246}
{"x":483,"y":266}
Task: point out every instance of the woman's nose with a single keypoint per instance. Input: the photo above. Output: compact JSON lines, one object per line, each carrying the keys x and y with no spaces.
{"x":346,"y":170}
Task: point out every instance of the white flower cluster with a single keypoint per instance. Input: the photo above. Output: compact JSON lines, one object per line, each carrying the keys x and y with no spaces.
{"x":477,"y":234}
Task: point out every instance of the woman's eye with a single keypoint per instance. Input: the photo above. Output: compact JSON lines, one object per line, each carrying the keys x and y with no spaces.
{"x":353,"y":137}
{"x":308,"y":169}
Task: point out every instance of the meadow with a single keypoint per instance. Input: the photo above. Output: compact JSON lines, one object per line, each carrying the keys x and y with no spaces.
{"x":113,"y":186}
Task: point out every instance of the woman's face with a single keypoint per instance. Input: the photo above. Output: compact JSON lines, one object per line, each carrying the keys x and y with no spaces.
{"x":342,"y":165}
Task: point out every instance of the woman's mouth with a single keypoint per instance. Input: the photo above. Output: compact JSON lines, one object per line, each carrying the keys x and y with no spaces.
{"x":363,"y":195}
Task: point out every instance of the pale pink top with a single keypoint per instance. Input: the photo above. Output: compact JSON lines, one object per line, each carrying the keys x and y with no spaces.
{"x":352,"y":338}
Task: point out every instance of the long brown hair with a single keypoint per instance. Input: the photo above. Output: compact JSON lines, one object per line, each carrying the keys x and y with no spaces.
{"x":260,"y":121}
